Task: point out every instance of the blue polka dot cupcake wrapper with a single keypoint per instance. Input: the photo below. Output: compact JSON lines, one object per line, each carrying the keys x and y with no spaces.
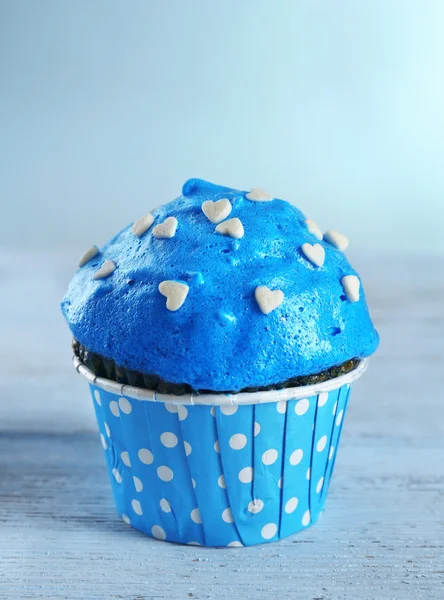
{"x":225,"y":475}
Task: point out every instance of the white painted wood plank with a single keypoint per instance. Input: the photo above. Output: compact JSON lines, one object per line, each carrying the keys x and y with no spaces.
{"x":382,"y":535}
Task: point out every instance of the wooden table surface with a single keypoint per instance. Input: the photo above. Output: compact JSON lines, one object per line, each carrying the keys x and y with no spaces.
{"x":381,"y":537}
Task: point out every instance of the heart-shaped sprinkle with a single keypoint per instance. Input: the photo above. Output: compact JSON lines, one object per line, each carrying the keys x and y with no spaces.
{"x":167,"y":229}
{"x":89,"y":254}
{"x":351,"y":285}
{"x":268,"y":299}
{"x":232,"y":227}
{"x":216,"y":211}
{"x":108,"y":267}
{"x":175,"y":293}
{"x":315,"y":253}
{"x":336,"y":239}
{"x":313,"y":228}
{"x":259,"y":195}
{"x":142,"y":225}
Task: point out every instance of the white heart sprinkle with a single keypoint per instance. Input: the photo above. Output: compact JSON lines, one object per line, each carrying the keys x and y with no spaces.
{"x":315,"y":253}
{"x":142,"y":225}
{"x":232,"y":227}
{"x":108,"y":267}
{"x":175,"y":293}
{"x":336,"y":239}
{"x":258,"y":195}
{"x":167,"y":229}
{"x":216,"y":211}
{"x":89,"y":254}
{"x":267,"y":299}
{"x":351,"y":285}
{"x":313,"y":228}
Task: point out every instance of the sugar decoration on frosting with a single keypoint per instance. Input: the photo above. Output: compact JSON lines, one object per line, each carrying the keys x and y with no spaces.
{"x":175,"y":293}
{"x":142,"y":225}
{"x":336,"y":239}
{"x":89,"y":254}
{"x":167,"y":229}
{"x":217,"y":211}
{"x":315,"y":253}
{"x":268,"y":300}
{"x":232,"y":227}
{"x":108,"y":267}
{"x":313,"y":228}
{"x":259,"y":195}
{"x":351,"y":285}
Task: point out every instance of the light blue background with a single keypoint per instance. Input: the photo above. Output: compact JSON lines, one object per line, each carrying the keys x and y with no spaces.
{"x":108,"y":107}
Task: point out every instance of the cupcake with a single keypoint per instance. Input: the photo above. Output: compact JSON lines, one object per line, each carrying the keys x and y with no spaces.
{"x":220,"y":335}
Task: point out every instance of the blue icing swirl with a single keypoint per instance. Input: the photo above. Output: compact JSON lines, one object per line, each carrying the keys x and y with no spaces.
{"x":219,"y":339}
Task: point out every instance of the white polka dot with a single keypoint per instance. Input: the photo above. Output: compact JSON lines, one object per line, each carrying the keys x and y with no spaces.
{"x":165,"y":505}
{"x":137,"y":484}
{"x":168,"y":439}
{"x":145,"y":456}
{"x":182,"y":412}
{"x":117,"y":476}
{"x":221,"y":482}
{"x":114,"y":408}
{"x":217,"y":446}
{"x":136,"y":507}
{"x":125,"y":458}
{"x":255,"y":506}
{"x":332,"y":451}
{"x":158,"y":532}
{"x":301,"y":407}
{"x":195,"y":516}
{"x":280,"y":483}
{"x":319,"y":485}
{"x":213,"y":411}
{"x":165,"y":473}
{"x":335,"y":407}
{"x":257,"y":429}
{"x":227,"y":516}
{"x":308,"y":474}
{"x":126,"y":520}
{"x":322,"y":442}
{"x":193,"y":483}
{"x":108,"y":432}
{"x":235,"y":545}
{"x":188,"y":448}
{"x":296,"y":457}
{"x":246,"y":475}
{"x":322,"y":398}
{"x":228,"y":409}
{"x":125,"y":406}
{"x":269,"y":456}
{"x":97,"y":397}
{"x":193,"y":544}
{"x":281,"y":406}
{"x":306,"y":518}
{"x":291,"y":505}
{"x":269,"y":531}
{"x":104,"y":444}
{"x":339,"y":417}
{"x":238,"y":441}
{"x":172,"y":408}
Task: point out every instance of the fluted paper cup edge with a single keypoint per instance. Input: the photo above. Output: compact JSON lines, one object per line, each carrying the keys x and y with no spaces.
{"x":284,"y":395}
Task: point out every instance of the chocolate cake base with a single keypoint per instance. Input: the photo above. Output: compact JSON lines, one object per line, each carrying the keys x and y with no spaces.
{"x":104,"y":367}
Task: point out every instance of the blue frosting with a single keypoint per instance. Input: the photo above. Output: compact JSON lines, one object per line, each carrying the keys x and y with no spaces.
{"x":219,"y":339}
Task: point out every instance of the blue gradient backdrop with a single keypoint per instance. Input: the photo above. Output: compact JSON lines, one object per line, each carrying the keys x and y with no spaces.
{"x":107,"y":107}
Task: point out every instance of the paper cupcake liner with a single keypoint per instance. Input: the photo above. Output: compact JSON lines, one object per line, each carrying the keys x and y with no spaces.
{"x":235,"y":472}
